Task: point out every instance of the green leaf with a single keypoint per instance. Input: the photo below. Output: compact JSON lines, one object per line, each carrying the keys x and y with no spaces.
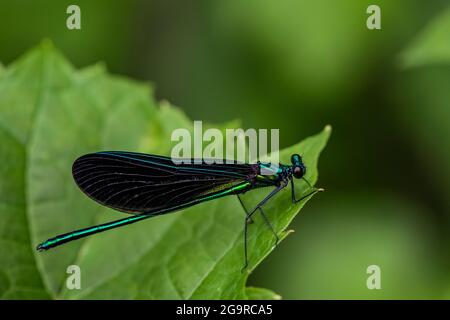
{"x":432,"y":46}
{"x":261,"y":294}
{"x":50,"y":114}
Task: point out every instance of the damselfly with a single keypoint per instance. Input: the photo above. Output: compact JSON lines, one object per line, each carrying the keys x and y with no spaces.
{"x":148,"y":185}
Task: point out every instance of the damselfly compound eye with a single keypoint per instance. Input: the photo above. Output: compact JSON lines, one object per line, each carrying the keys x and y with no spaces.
{"x":298,"y":172}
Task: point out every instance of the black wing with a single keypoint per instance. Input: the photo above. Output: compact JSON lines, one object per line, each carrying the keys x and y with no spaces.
{"x":136,"y":182}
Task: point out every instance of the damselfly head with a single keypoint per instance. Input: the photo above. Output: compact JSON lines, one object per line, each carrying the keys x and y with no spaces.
{"x":298,"y":168}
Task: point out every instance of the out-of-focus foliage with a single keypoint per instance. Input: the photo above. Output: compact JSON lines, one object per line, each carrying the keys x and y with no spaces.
{"x":424,"y":96}
{"x":432,"y":45}
{"x":336,"y":242}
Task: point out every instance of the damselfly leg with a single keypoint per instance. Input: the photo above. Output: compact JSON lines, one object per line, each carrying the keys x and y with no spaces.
{"x":266,"y":220}
{"x":249,"y":215}
{"x":248,"y":219}
{"x":314,"y":191}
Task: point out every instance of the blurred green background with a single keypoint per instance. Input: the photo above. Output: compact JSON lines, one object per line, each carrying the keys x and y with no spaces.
{"x":297,"y":66}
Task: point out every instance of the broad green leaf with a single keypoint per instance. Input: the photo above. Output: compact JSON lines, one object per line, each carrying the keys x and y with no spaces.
{"x":432,"y":46}
{"x":261,"y":294}
{"x":19,"y":276}
{"x":50,"y":114}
